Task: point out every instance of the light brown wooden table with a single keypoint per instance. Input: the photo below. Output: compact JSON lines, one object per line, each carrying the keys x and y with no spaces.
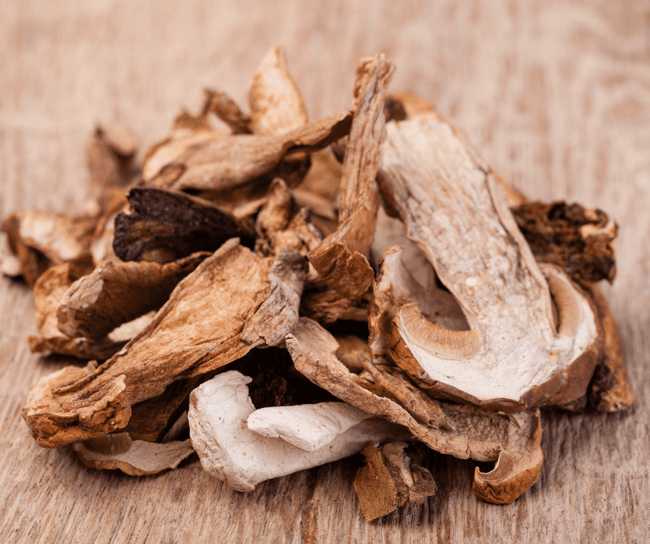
{"x":554,"y":93}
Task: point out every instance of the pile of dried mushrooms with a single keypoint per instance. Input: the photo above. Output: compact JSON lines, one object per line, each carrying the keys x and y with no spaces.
{"x":280,"y":293}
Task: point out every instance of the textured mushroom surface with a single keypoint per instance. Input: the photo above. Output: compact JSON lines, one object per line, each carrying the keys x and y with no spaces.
{"x":49,"y":290}
{"x":166,"y":225}
{"x":389,"y":480}
{"x":117,"y":292}
{"x":41,"y":239}
{"x":341,"y":259}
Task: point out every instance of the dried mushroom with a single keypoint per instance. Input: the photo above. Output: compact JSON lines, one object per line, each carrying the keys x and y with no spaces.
{"x":276,"y":104}
{"x":110,"y":158}
{"x":44,"y":239}
{"x":232,"y":452}
{"x":50,"y":288}
{"x":224,"y":162}
{"x":515,"y":355}
{"x":95,"y":304}
{"x":573,"y":237}
{"x":167,"y":225}
{"x":341,"y":260}
{"x":118,"y":451}
{"x":374,"y":278}
{"x":389,"y":480}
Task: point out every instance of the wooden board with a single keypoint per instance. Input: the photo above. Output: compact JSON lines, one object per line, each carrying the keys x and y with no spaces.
{"x":556,"y":96}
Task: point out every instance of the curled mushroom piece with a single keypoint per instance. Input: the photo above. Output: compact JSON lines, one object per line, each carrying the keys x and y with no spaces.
{"x":229,"y":450}
{"x":389,"y":480}
{"x":168,"y":225}
{"x":341,"y":260}
{"x":118,"y":451}
{"x":276,"y":104}
{"x":49,"y":290}
{"x":95,"y":305}
{"x":43,"y":239}
{"x":463,"y":431}
{"x":514,"y":356}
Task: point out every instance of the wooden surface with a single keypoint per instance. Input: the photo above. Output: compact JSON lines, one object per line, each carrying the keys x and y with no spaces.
{"x":554,"y":93}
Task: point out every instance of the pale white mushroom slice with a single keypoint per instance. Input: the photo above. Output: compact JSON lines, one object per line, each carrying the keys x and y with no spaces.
{"x":514,"y":356}
{"x":229,"y":450}
{"x":308,"y":426}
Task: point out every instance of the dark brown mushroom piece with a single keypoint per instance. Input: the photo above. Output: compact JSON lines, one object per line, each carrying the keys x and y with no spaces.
{"x":577,"y":239}
{"x":167,"y":225}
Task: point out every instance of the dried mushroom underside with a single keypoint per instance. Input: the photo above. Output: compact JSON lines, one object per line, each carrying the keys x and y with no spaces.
{"x":306,"y":290}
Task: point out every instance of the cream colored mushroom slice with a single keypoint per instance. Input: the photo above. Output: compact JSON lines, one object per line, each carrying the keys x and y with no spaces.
{"x":232,"y":452}
{"x":134,"y":457}
{"x":514,"y":356}
{"x":309,"y":426}
{"x":464,"y":431}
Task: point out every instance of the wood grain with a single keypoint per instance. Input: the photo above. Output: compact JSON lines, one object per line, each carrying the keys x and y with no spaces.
{"x":556,"y":96}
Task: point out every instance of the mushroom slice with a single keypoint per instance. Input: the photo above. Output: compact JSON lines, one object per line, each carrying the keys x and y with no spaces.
{"x":153,"y":418}
{"x":389,"y":480}
{"x":278,"y":314}
{"x":276,"y":104}
{"x":341,"y":260}
{"x":232,"y":452}
{"x":109,"y":156}
{"x":309,"y":426}
{"x":389,"y":232}
{"x":463,"y":431}
{"x":49,"y":289}
{"x":219,"y":163}
{"x":95,"y":305}
{"x":168,"y":225}
{"x":197,"y":330}
{"x":134,"y":457}
{"x":44,"y":239}
{"x":396,"y":287}
{"x":514,"y":357}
